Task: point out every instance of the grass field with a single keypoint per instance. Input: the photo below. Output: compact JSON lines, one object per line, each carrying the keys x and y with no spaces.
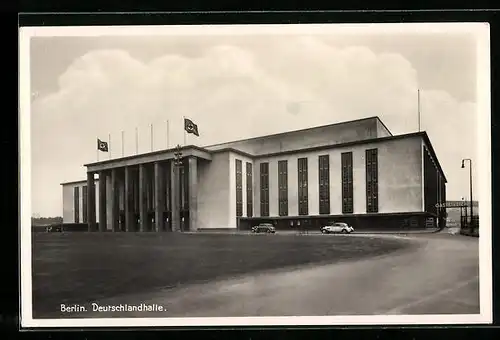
{"x":75,"y":268}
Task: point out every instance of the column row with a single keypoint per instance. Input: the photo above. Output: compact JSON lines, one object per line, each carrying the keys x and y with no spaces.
{"x":148,"y":197}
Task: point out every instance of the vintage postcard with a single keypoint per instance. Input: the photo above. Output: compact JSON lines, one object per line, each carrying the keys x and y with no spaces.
{"x":236,"y":175}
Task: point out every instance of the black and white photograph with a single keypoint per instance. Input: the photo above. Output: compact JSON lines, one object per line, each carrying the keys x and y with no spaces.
{"x":255,"y":175}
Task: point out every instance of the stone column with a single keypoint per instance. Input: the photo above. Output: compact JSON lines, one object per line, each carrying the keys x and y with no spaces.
{"x":121,"y":201}
{"x":159,"y":203}
{"x":115,"y":207}
{"x":193,"y":193}
{"x":102,"y":201}
{"x":143,"y":209}
{"x":130,"y":223}
{"x":174,"y":196}
{"x":166,"y":193}
{"x":91,"y":205}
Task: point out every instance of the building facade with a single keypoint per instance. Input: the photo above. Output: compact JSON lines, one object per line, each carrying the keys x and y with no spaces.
{"x":356,"y":172}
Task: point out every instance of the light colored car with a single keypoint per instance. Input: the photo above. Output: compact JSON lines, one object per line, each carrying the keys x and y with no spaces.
{"x":337,"y":227}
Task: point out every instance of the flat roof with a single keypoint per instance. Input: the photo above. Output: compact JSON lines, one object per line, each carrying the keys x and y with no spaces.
{"x":206,"y":149}
{"x":83,"y":181}
{"x":300,"y":130}
{"x":422,"y":134}
{"x":153,"y":153}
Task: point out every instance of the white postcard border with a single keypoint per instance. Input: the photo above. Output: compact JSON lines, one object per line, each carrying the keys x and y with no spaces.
{"x":481,"y":30}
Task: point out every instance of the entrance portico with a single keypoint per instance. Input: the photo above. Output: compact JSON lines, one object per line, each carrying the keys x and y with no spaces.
{"x":147,"y":192}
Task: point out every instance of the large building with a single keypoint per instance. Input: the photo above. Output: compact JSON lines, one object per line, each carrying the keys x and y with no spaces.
{"x":355,"y":171}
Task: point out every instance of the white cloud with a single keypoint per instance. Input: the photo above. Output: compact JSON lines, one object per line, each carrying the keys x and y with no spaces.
{"x":233,"y":93}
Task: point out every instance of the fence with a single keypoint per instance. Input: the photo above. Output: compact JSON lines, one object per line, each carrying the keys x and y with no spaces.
{"x":468,"y":222}
{"x":469,"y":226}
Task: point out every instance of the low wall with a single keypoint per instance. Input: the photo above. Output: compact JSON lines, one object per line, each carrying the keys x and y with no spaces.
{"x":474,"y":231}
{"x":403,"y":221}
{"x":63,"y":227}
{"x":39,"y":228}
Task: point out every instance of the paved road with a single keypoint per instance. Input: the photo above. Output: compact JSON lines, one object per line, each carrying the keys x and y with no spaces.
{"x":440,"y":276}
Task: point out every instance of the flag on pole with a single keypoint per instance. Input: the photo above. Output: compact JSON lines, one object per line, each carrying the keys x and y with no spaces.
{"x":185,"y":133}
{"x":190,"y":127}
{"x":102,"y":145}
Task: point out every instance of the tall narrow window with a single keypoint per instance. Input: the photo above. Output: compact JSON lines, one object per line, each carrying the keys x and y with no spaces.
{"x":347,"y":185}
{"x":371,"y":181}
{"x":283,"y":187}
{"x":264,"y":189}
{"x":239,"y":188}
{"x":84,"y":203}
{"x":76,"y":203}
{"x":303,"y":186}
{"x":324,"y":184}
{"x":249,"y":190}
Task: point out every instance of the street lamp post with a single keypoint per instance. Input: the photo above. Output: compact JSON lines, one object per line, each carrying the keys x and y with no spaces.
{"x":470,"y":185}
{"x":462,"y":214}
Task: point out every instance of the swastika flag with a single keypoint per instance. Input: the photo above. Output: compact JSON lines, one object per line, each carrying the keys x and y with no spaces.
{"x":190,"y":127}
{"x":102,"y":145}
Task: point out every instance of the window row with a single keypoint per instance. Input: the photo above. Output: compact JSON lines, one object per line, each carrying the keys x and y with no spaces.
{"x":347,"y":185}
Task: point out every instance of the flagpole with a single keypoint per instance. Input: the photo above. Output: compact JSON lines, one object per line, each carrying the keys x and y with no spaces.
{"x":151,"y":137}
{"x":136,"y":141}
{"x":97,"y":151}
{"x":123,"y":147}
{"x":185,"y":133}
{"x":109,"y":145}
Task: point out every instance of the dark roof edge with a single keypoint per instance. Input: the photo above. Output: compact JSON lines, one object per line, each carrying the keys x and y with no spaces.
{"x":107,"y":161}
{"x":77,"y":182}
{"x":293,"y":131}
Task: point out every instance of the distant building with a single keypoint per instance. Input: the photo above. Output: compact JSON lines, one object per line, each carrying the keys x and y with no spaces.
{"x":354,"y":171}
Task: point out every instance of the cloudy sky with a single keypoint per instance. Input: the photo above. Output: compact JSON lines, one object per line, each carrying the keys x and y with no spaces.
{"x":242,"y":86}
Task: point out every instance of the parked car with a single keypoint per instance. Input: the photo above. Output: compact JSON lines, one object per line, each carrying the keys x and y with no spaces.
{"x":264,"y":228}
{"x":337,"y":227}
{"x":54,"y":229}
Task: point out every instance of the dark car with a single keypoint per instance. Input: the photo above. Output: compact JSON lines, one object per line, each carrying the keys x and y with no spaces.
{"x":264,"y":228}
{"x":54,"y":228}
